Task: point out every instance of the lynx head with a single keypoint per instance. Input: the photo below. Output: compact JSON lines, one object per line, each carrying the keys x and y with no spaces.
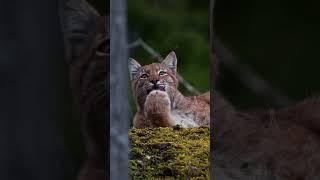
{"x":155,"y":76}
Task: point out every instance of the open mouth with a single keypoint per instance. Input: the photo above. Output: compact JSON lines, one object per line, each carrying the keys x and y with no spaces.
{"x":156,"y":87}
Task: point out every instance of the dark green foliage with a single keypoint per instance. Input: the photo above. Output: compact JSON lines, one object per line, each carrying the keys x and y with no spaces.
{"x":279,"y":40}
{"x":179,"y":25}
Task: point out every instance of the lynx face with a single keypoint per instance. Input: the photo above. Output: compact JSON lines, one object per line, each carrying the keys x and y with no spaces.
{"x":155,"y":76}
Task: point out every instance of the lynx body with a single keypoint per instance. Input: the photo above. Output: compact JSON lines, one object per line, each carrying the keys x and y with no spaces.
{"x":159,"y":103}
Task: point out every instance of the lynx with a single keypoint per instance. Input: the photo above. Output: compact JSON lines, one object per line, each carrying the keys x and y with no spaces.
{"x":86,"y":35}
{"x":271,"y":144}
{"x":159,"y":103}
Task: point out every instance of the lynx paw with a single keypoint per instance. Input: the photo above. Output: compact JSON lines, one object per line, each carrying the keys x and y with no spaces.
{"x":157,"y":102}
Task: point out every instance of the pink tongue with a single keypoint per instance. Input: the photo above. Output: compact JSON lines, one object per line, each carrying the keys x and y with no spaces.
{"x":161,"y":88}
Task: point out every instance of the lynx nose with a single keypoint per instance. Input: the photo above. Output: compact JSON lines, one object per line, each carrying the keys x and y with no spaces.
{"x":154,"y":82}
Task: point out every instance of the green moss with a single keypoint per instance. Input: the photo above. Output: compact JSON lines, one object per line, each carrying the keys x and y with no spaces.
{"x":169,"y":153}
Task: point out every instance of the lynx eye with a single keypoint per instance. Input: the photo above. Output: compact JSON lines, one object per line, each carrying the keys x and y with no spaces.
{"x":162,"y":73}
{"x":143,"y":76}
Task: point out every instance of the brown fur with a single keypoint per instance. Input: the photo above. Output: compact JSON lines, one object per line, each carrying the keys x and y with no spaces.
{"x":165,"y":106}
{"x":272,"y":144}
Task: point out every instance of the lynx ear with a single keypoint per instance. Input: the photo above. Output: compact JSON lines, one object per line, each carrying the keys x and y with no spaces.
{"x":171,"y":62}
{"x":134,"y":67}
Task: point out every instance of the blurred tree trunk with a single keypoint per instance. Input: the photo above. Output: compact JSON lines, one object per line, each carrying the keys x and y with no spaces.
{"x":118,"y":92}
{"x":33,"y":92}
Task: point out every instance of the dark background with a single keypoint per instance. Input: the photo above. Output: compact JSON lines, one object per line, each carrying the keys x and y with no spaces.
{"x":34,"y":95}
{"x":278,"y":40}
{"x":102,"y":6}
{"x":40,"y":136}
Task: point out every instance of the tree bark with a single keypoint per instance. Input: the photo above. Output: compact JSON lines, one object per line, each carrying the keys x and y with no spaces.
{"x":119,"y":120}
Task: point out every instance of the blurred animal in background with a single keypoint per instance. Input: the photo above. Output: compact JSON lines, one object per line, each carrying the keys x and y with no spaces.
{"x":267,"y":144}
{"x":86,"y":36}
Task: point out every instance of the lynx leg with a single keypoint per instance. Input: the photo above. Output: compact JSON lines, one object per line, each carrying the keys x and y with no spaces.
{"x":157,"y":109}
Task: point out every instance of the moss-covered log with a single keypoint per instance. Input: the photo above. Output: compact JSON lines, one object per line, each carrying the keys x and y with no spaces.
{"x":169,"y":153}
